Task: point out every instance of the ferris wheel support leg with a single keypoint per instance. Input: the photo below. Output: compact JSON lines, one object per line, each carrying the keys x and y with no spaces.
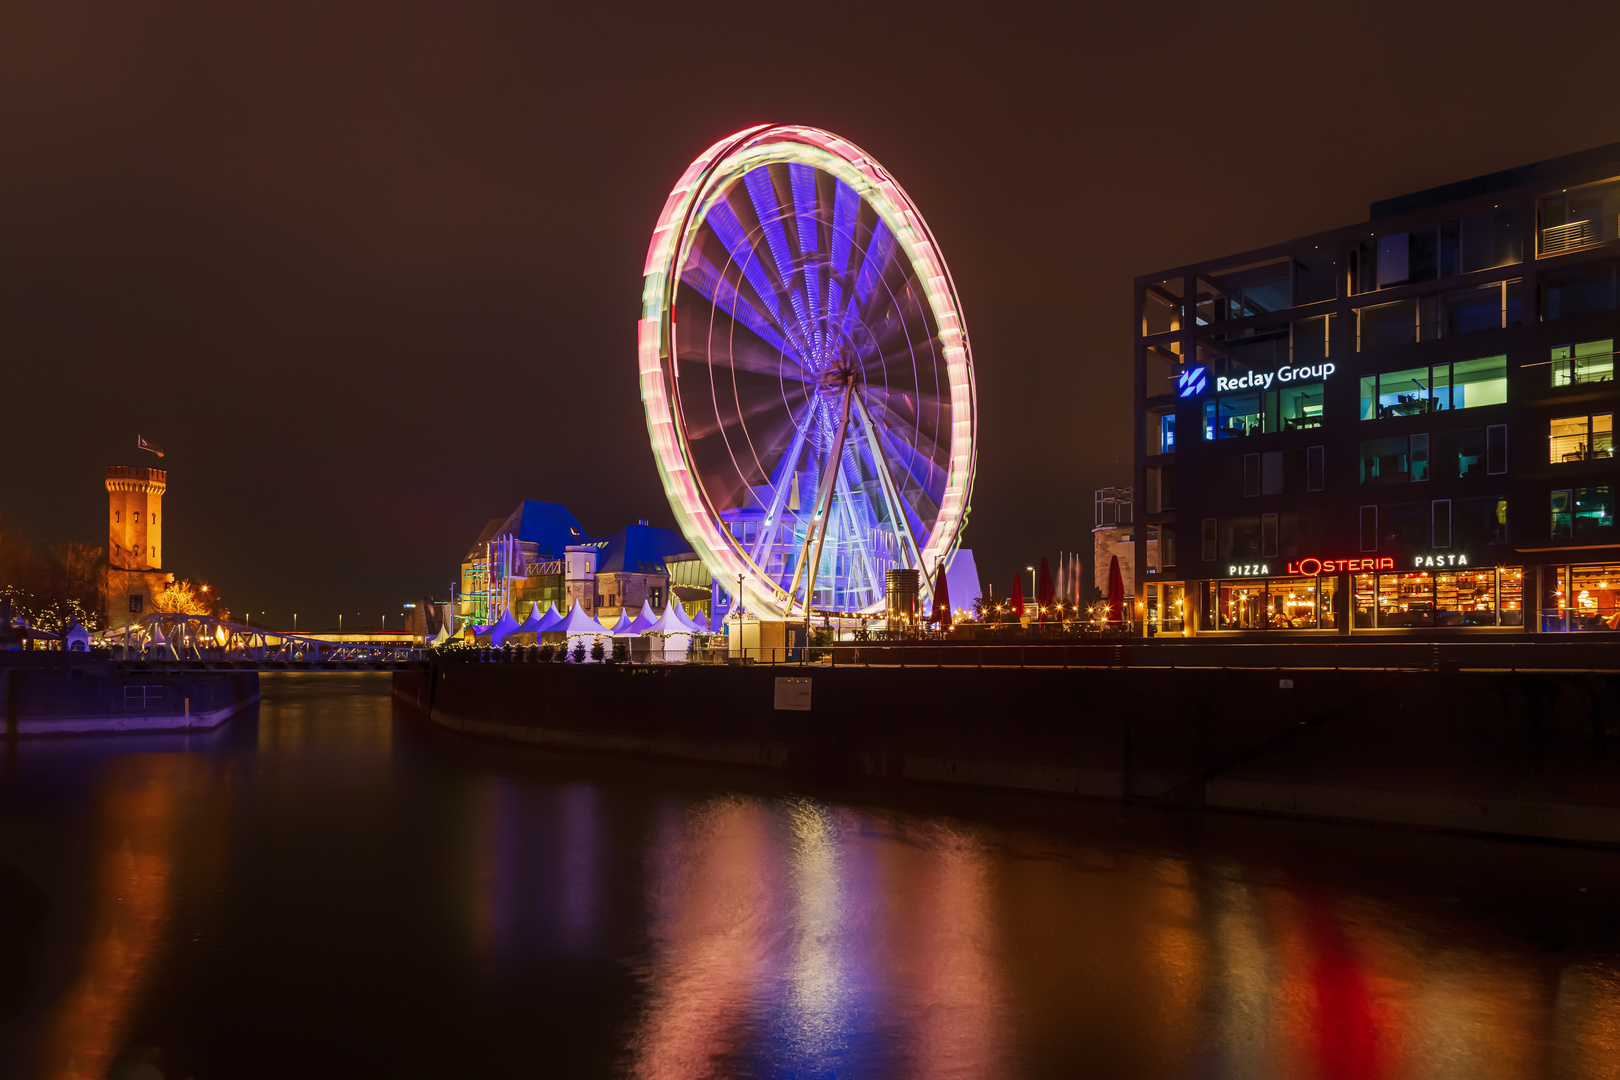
{"x":817,"y":531}
{"x":891,"y":497}
{"x":779,"y":499}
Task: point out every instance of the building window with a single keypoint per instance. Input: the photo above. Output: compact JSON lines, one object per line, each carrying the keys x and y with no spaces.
{"x":1389,"y":461}
{"x":1315,"y":468}
{"x":1369,"y":528}
{"x":1253,"y":412}
{"x":116,"y":515}
{"x":1297,"y":603}
{"x":1496,"y":450}
{"x":1167,"y":433}
{"x":1583,"y":362}
{"x":153,"y":519}
{"x":1268,"y":536}
{"x":1578,"y":218}
{"x":1583,"y":513}
{"x":1467,"y":384}
{"x":1580,"y":438}
{"x":135,"y":518}
{"x":1440,"y":523}
{"x":1210,"y":532}
{"x":1472,"y":597}
{"x":1251,"y":476}
{"x":1420,"y":458}
{"x":1583,"y":290}
{"x":135,"y":604}
{"x":1580,"y":597}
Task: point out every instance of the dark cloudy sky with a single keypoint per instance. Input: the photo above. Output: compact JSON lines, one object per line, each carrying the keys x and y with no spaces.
{"x":369,"y":272}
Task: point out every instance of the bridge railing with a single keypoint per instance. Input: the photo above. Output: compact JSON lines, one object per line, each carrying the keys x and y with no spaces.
{"x":180,"y":637}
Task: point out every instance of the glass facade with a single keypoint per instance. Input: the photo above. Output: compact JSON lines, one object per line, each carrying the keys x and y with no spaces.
{"x":1579,"y":597}
{"x":1456,"y":397}
{"x":1290,"y":603}
{"x":1487,"y":596}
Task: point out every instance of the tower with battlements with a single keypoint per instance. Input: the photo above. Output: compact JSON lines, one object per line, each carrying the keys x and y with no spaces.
{"x":134,"y":541}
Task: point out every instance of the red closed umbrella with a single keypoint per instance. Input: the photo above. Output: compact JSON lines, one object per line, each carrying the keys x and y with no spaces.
{"x":1018,"y":596}
{"x":1116,"y":591}
{"x":942,"y":600}
{"x":1045,"y":594}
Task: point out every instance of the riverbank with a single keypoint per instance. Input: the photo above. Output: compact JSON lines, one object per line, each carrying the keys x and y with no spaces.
{"x":1516,"y":753}
{"x":63,"y":694}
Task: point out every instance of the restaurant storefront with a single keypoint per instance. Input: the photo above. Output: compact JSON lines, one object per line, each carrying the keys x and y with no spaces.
{"x":1420,"y":591}
{"x":1270,"y":603}
{"x":1458,"y":597}
{"x":1577,"y":597}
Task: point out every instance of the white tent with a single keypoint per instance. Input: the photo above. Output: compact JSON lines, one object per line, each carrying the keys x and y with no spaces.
{"x":442,"y":636}
{"x":504,"y":628}
{"x":625,"y":627}
{"x":644,"y":618}
{"x":672,"y":633}
{"x":578,"y":624}
{"x":481,"y":634}
{"x":531,"y":625}
{"x":550,"y":619}
{"x":680,"y":613}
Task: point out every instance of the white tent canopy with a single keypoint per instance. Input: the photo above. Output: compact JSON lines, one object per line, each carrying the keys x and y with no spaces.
{"x":531,"y":625}
{"x":686,"y":620}
{"x":672,"y":634}
{"x":551,"y":618}
{"x":578,"y":624}
{"x":625,"y":626}
{"x":504,"y":628}
{"x":442,"y":636}
{"x":644,"y":618}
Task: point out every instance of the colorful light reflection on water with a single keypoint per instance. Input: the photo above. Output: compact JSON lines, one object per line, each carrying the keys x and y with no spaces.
{"x":333,"y":892}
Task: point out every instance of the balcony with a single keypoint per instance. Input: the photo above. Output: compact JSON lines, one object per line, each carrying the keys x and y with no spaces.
{"x":1558,"y":239}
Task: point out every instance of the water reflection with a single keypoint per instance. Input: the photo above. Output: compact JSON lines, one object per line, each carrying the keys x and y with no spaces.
{"x":420,"y":906}
{"x":142,"y":804}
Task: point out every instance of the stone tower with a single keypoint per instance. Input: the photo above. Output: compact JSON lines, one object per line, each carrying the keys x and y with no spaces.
{"x":134,"y":511}
{"x":134,"y":543}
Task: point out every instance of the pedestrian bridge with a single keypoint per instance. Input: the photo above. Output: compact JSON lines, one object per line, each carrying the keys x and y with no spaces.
{"x":203,"y":639}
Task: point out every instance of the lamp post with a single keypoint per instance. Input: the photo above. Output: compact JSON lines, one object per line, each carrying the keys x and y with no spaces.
{"x":1032,"y":596}
{"x":295,"y":622}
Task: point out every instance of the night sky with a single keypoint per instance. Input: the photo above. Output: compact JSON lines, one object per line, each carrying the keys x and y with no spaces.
{"x":370,"y":272}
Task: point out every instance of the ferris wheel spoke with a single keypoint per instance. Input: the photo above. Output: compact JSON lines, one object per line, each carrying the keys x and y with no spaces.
{"x":899,"y":513}
{"x":918,"y":454}
{"x":855,"y":540}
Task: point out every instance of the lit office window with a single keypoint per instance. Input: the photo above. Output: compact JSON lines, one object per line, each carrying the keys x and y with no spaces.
{"x":1580,"y":438}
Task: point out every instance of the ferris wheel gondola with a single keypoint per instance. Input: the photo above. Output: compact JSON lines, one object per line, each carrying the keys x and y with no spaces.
{"x":806,"y":374}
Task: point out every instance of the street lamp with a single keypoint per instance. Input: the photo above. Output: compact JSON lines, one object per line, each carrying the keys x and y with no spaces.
{"x":295,"y":622}
{"x":1032,"y":596}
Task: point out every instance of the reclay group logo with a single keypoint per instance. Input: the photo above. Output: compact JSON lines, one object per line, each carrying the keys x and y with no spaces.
{"x":1192,"y":382}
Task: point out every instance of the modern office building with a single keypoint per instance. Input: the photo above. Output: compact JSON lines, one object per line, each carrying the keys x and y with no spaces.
{"x":1401,"y":427}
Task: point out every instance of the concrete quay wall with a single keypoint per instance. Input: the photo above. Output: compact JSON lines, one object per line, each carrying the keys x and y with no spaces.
{"x":85,"y":697}
{"x":1534,"y":754}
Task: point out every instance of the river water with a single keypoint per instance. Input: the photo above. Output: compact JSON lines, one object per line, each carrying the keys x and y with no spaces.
{"x":328,"y":889}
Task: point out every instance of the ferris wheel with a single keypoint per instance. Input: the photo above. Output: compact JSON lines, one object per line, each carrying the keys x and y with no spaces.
{"x":806,"y":375}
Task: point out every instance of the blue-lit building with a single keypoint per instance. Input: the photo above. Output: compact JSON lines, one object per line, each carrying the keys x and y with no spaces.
{"x":1400,"y":427}
{"x":540,"y":554}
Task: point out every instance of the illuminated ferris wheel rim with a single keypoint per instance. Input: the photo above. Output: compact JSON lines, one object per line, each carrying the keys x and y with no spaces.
{"x":705,"y":183}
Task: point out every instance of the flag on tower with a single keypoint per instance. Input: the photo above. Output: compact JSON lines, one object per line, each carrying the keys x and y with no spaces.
{"x":142,"y":444}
